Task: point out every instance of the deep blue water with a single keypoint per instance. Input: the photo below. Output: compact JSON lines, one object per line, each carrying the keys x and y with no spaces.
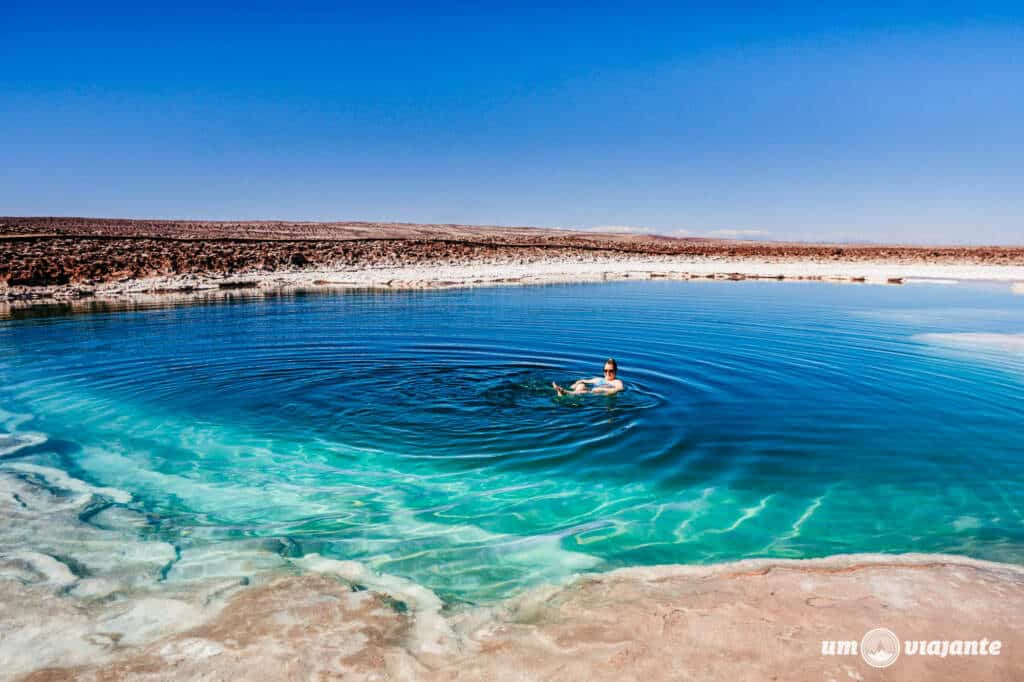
{"x":417,"y":431}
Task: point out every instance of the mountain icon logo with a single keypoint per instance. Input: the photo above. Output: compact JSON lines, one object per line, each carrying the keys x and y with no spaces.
{"x":880,"y":648}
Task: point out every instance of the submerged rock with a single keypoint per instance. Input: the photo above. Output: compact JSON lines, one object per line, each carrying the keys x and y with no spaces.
{"x":11,"y":443}
{"x":225,"y":560}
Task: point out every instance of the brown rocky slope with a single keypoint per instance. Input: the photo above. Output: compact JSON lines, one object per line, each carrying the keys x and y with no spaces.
{"x":58,"y":251}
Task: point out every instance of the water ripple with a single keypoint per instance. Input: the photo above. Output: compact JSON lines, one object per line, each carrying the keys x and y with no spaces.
{"x":419,"y":432}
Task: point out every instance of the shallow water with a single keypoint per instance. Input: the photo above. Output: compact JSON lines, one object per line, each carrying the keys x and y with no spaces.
{"x":417,"y":432}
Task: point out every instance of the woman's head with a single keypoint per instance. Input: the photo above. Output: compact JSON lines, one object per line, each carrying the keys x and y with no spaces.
{"x":611,"y":368}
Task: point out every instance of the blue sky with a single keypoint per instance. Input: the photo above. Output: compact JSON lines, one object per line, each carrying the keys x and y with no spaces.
{"x":895,"y":123}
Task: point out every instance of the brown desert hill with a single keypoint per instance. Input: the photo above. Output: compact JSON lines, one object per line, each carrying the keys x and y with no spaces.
{"x":306,"y":231}
{"x":43,"y":251}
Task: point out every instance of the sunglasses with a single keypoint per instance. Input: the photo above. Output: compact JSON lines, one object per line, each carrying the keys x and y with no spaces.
{"x":609,"y":371}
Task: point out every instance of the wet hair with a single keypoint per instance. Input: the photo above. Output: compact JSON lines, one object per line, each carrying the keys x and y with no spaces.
{"x":615,"y":365}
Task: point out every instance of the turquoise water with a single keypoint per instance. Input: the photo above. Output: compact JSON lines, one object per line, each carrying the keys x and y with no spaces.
{"x":417,"y":432}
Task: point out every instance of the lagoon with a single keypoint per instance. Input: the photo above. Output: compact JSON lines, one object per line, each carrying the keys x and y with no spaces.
{"x":417,"y":433}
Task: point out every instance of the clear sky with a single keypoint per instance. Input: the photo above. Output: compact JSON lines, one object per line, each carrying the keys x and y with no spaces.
{"x":899,"y":122}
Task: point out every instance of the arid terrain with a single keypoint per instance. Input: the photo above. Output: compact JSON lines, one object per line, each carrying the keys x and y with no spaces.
{"x":41,"y":257}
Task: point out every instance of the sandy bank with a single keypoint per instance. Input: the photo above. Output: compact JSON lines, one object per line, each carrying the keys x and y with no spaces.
{"x":750,"y":620}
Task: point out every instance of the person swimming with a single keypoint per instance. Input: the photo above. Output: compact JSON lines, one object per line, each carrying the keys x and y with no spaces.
{"x":609,"y":384}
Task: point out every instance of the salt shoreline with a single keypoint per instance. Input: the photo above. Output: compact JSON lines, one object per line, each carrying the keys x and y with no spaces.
{"x":504,"y":272}
{"x":751,"y":619}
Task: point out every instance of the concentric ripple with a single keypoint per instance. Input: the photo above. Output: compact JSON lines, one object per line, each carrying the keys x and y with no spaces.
{"x":418,"y":432}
